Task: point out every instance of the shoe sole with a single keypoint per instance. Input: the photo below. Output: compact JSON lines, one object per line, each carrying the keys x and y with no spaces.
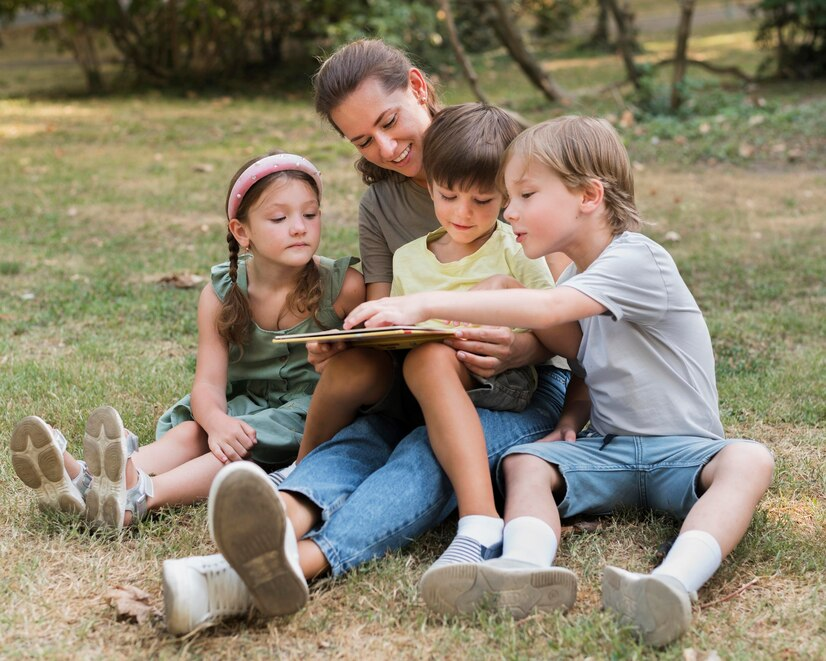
{"x":105,"y":455}
{"x":659,"y":612}
{"x":38,"y":462}
{"x":248,"y":525}
{"x":462,"y":588}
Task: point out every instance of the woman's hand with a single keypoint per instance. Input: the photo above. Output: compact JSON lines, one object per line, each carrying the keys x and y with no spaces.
{"x":490,"y":350}
{"x":231,"y":440}
{"x":319,"y":353}
{"x":484,"y":350}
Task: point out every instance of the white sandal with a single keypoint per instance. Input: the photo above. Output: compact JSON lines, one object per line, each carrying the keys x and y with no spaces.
{"x":37,"y":458}
{"x":106,"y":447}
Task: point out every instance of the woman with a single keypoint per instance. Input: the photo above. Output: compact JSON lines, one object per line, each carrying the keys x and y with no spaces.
{"x":377,"y":485}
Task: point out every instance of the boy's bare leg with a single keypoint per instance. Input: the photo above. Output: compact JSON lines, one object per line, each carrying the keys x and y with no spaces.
{"x":352,"y":379}
{"x":304,"y":515}
{"x":439,"y":382}
{"x":658,"y":604}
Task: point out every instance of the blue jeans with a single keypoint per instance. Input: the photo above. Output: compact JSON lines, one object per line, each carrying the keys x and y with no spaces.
{"x":379,"y":488}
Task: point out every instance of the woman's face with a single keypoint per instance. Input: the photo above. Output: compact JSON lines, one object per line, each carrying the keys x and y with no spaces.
{"x":387,"y":128}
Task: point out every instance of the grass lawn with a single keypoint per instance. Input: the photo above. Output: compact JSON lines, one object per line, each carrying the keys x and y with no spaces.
{"x":102,"y":197}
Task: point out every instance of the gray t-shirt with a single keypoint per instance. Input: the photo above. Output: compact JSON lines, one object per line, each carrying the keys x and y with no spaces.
{"x":648,"y":361}
{"x":391,"y":214}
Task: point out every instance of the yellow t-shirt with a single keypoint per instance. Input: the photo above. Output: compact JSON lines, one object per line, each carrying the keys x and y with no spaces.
{"x":416,"y":269}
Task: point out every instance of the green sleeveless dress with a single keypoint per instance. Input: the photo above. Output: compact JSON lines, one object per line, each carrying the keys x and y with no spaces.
{"x":269,"y":385}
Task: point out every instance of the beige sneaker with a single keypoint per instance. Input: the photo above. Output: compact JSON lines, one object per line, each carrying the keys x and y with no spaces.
{"x":249,"y":525}
{"x":659,"y":607}
{"x":106,"y":447}
{"x":37,"y":458}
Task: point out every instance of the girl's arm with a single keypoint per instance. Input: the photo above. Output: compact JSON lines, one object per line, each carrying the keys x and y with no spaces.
{"x":229,"y":439}
{"x":517,"y":308}
{"x":352,"y":294}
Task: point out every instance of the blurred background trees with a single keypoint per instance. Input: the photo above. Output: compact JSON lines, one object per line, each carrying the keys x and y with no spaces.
{"x":191,"y":42}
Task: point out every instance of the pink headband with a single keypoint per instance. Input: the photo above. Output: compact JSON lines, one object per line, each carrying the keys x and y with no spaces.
{"x":261,"y":168}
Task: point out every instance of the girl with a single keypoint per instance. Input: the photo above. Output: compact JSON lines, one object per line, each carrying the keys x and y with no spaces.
{"x":250,"y":397}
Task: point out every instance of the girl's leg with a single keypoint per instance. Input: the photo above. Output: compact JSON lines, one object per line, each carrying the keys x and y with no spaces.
{"x":179,"y":464}
{"x":352,"y":379}
{"x":179,"y":445}
{"x":439,"y":382}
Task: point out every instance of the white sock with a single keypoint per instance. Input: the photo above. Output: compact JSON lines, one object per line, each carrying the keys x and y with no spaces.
{"x":692,"y":560}
{"x":487,"y":530}
{"x":529,"y":539}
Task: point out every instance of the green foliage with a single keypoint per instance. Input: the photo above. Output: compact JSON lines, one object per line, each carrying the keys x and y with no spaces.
{"x":796,"y":30}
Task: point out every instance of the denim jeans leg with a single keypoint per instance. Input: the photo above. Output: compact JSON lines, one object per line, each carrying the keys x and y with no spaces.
{"x":411,"y":494}
{"x":330,"y":473}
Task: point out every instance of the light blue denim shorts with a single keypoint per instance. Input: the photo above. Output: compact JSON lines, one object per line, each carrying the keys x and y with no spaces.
{"x":604,"y":473}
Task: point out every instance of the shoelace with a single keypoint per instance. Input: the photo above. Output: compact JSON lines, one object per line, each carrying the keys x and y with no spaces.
{"x":226,"y":593}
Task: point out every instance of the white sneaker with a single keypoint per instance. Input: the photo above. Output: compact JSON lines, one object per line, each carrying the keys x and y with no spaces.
{"x":658,"y":607}
{"x":200,"y":591}
{"x":249,"y":525}
{"x":37,"y":458}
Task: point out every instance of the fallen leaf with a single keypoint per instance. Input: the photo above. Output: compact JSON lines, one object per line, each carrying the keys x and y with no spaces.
{"x":754,"y":120}
{"x":704,"y":128}
{"x":672,"y":236}
{"x":181,"y":280}
{"x":203,"y":167}
{"x":131,"y":603}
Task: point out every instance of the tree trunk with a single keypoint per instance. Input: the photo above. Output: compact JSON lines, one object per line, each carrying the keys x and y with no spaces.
{"x":624,"y":20}
{"x":681,"y":52}
{"x":600,"y":37}
{"x":497,"y":16}
{"x":459,"y":51}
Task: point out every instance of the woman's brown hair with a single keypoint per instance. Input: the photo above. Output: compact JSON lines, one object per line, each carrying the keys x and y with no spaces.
{"x":348,"y":67}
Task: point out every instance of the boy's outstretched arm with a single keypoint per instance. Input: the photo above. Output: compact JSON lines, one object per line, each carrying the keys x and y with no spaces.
{"x":517,"y":308}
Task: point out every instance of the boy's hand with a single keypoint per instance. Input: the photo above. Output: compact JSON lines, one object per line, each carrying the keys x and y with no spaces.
{"x":562,"y":433}
{"x":396,"y":311}
{"x":232,"y":440}
{"x":319,"y":353}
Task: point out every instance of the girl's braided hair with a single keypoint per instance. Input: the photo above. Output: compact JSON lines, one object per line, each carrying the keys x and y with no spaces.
{"x":235,"y":318}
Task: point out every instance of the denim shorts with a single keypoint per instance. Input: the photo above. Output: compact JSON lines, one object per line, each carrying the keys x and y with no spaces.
{"x":603,"y":473}
{"x":509,"y":391}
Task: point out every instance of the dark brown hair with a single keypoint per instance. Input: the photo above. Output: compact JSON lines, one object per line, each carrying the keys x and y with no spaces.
{"x":236,"y":317}
{"x":464,"y":145}
{"x":349,"y":66}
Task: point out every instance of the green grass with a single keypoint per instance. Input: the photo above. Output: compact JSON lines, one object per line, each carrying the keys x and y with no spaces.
{"x":100,"y":197}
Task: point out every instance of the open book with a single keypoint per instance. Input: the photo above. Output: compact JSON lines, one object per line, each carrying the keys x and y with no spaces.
{"x":387,"y":337}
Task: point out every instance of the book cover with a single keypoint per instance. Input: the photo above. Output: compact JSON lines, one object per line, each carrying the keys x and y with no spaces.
{"x":386,"y":337}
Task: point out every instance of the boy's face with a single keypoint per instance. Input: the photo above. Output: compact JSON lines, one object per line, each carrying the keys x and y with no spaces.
{"x":467,"y":215}
{"x":541,"y":209}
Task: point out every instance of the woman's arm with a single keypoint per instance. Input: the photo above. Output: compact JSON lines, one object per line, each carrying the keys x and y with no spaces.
{"x":229,"y":439}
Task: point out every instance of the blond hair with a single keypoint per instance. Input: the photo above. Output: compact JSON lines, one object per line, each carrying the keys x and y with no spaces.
{"x":580,"y":150}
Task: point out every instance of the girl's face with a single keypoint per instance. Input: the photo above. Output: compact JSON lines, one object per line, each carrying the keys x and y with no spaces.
{"x":541,"y":209}
{"x":284,"y":224}
{"x":387,"y":129}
